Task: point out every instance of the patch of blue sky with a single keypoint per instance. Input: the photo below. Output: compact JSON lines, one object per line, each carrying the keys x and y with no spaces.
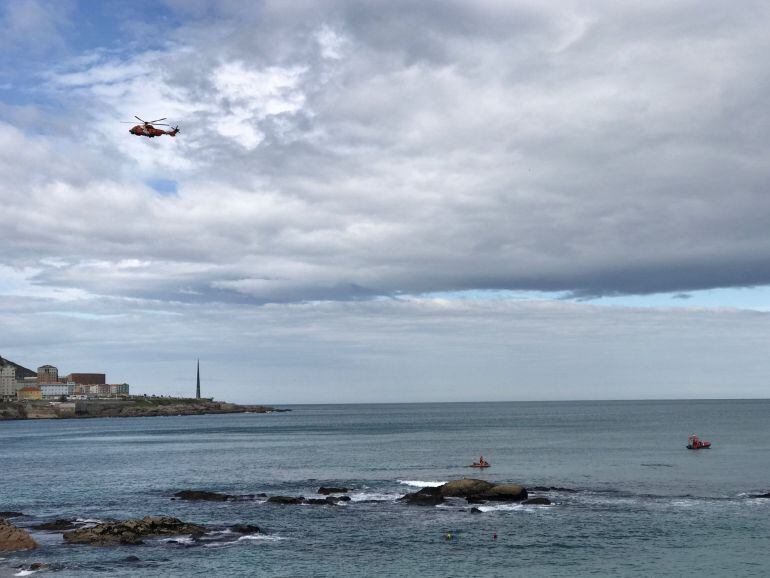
{"x":82,"y":30}
{"x":110,"y":24}
{"x":752,"y":298}
{"x":84,"y":315}
{"x":164,"y":187}
{"x":495,"y":295}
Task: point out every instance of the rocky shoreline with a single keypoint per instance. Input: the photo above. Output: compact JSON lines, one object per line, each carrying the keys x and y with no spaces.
{"x":466,"y":493}
{"x":134,"y":407}
{"x":135,"y":531}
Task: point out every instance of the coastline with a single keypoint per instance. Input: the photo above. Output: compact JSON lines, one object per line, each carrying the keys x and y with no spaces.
{"x":134,"y":407}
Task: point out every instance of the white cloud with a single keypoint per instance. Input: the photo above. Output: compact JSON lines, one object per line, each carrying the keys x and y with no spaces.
{"x":334,"y":151}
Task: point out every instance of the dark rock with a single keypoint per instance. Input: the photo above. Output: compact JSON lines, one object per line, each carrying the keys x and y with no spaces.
{"x":131,"y":559}
{"x":476,"y":511}
{"x":767,"y":495}
{"x":329,"y":500}
{"x":131,"y":531}
{"x":56,"y":525}
{"x":538,"y":502}
{"x":425,"y":497}
{"x":325,"y":491}
{"x":506,"y":493}
{"x":464,"y":488}
{"x":246,"y":529}
{"x":475,"y":500}
{"x":554,"y":489}
{"x":285,"y":500}
{"x":10,"y":514}
{"x":13,"y":538}
{"x":38,"y":566}
{"x":202,"y":495}
{"x":343,"y":499}
{"x":261,"y":495}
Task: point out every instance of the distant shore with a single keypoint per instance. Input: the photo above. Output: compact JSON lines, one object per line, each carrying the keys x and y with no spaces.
{"x":132,"y":407}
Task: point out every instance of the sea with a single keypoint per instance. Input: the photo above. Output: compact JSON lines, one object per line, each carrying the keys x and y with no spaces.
{"x":628,"y":498}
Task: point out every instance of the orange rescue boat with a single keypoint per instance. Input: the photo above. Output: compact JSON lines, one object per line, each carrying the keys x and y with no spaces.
{"x":695,"y":443}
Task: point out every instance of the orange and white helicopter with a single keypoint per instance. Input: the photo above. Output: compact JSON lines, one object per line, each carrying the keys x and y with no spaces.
{"x":147,"y":128}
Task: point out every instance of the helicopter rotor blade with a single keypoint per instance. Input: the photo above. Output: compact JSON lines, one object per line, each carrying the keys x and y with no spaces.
{"x":136,"y":117}
{"x":157,"y":120}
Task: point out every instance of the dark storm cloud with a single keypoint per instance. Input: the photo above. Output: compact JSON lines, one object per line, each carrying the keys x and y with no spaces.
{"x":336,"y":150}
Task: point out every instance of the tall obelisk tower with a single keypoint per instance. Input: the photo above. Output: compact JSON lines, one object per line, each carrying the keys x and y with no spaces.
{"x":198,"y":383}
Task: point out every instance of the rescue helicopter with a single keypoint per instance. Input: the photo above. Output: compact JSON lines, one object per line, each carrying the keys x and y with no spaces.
{"x":147,"y":128}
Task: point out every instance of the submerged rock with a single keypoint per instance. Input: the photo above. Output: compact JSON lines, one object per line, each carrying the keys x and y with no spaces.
{"x":538,"y":502}
{"x":425,"y":497}
{"x":203,"y":495}
{"x":10,"y":514}
{"x":13,"y":538}
{"x":56,"y":525}
{"x":767,"y":495}
{"x":475,"y":511}
{"x":285,"y":500}
{"x":246,"y":529}
{"x":131,"y":531}
{"x":554,"y":489}
{"x":325,"y":491}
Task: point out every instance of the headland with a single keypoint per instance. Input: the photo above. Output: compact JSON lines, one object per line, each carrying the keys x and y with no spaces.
{"x":134,"y":406}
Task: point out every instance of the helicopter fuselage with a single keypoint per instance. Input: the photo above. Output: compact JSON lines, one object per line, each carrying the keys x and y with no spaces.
{"x":150,"y":131}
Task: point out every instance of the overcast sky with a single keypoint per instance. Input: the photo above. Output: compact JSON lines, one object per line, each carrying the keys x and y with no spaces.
{"x":389,"y":200}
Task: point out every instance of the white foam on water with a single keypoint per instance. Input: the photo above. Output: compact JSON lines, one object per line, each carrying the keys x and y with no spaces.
{"x":261,"y":537}
{"x":684,"y":503}
{"x":88,"y":521}
{"x":180,"y":540}
{"x":374,"y":497}
{"x":421,"y":484}
{"x":530,"y":509}
{"x":26,"y":572}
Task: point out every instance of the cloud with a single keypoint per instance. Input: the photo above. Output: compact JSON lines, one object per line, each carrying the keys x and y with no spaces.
{"x":34,"y":26}
{"x":335,"y":150}
{"x":415,"y":349}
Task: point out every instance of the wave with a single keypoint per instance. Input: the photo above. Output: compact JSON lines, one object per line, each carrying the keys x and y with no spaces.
{"x":502,"y":508}
{"x":374,"y":497}
{"x":420,"y":483}
{"x":261,"y":537}
{"x":26,"y":572}
{"x":183,"y":540}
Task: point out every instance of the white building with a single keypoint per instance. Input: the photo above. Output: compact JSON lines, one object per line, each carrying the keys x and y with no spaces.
{"x":53,"y":390}
{"x":7,"y":379}
{"x":13,"y":377}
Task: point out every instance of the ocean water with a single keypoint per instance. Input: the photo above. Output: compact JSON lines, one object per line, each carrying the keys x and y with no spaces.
{"x":643,"y":505}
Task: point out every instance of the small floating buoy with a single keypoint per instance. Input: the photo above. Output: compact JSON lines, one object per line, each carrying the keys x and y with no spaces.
{"x":448,"y":536}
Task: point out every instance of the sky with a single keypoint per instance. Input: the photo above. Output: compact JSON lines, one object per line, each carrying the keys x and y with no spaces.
{"x":389,"y":201}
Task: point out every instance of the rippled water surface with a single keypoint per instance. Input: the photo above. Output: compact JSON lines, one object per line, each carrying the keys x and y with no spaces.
{"x":644,"y":504}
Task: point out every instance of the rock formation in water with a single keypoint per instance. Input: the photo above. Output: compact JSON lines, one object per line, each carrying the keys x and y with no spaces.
{"x":474,"y":491}
{"x":131,"y":531}
{"x":13,"y":538}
